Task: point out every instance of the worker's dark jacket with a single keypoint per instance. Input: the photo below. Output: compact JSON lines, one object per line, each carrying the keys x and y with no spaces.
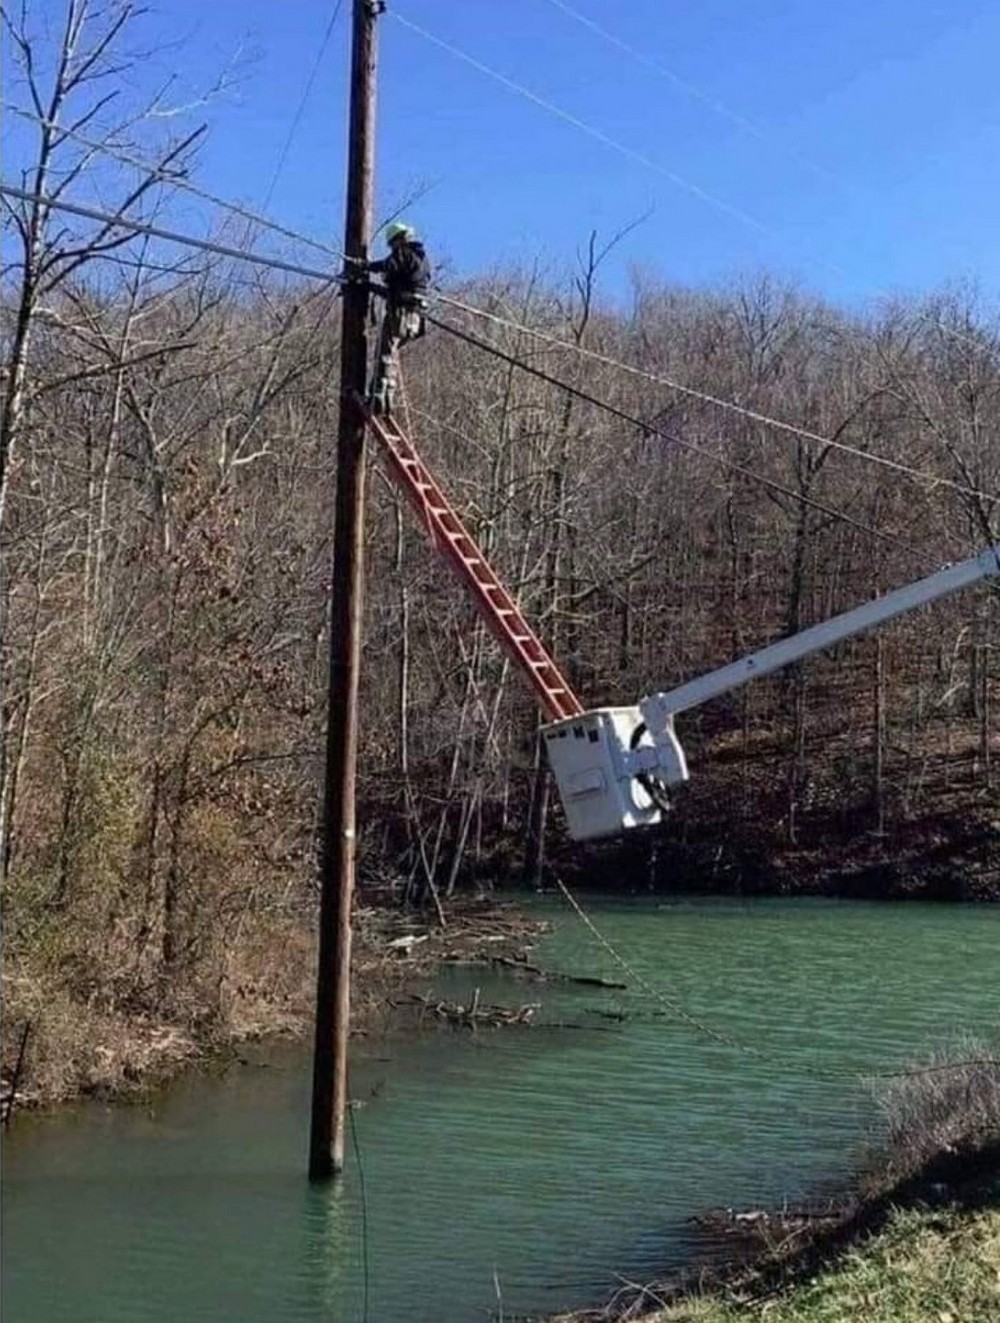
{"x":406,"y":271}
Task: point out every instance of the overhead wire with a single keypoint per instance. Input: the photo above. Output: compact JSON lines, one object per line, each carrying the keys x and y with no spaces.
{"x":747,"y":124}
{"x":716,"y":401}
{"x":365,"y":1266}
{"x":180,"y":180}
{"x":641,"y":158}
{"x":590,"y":129}
{"x":658,"y":994}
{"x":471,"y":309}
{"x":169,"y":236}
{"x":721,"y":461}
{"x":655,"y":378}
{"x":689,"y":88}
{"x":177,"y":179}
{"x":651,"y":428}
{"x":300,"y":111}
{"x":724,"y":1039}
{"x":248,"y":255}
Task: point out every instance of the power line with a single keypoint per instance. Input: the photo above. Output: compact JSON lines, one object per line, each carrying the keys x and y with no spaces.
{"x":706,"y":398}
{"x":177,"y":179}
{"x":598,"y":134}
{"x":731,"y":465}
{"x":173,"y":236}
{"x":366,"y":1269}
{"x":650,"y":428}
{"x":747,"y":124}
{"x":656,"y":379}
{"x":296,"y":118}
{"x":675,"y":1007}
{"x":640,"y":157}
{"x":170,"y":236}
{"x":720,"y":108}
{"x":725,"y":1039}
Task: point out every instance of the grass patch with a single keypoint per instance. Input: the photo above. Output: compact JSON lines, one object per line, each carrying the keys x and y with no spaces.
{"x":924,"y":1267}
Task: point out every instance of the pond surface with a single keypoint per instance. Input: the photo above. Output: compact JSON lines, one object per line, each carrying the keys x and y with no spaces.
{"x":522,"y":1167}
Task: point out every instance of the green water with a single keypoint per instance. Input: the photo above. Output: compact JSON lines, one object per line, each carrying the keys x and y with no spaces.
{"x":535,"y":1163}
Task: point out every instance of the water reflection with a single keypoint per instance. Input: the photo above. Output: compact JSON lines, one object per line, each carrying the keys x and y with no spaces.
{"x":332,"y":1230}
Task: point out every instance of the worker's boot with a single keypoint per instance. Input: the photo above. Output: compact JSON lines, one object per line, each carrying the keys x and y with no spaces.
{"x":386,"y":388}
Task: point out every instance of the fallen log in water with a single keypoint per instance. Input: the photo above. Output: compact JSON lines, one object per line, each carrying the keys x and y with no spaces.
{"x":545,"y":975}
{"x":475,"y":1014}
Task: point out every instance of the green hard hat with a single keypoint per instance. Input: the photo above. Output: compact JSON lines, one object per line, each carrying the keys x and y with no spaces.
{"x":397,"y":230}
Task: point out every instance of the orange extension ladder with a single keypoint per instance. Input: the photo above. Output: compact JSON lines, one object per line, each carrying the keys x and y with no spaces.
{"x":461,"y":551}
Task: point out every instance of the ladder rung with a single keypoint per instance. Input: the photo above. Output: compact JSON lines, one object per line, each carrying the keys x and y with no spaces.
{"x":461,"y":549}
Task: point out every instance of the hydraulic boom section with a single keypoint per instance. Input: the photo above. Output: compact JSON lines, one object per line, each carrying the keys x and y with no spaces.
{"x":613,"y":766}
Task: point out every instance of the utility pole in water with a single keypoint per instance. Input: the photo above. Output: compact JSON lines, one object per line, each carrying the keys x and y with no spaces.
{"x":333,"y":980}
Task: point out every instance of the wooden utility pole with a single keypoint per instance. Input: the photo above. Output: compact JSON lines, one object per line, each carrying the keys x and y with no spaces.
{"x":333,"y":981}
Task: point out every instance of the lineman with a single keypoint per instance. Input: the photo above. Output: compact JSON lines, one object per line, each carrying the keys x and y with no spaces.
{"x":407,"y":273}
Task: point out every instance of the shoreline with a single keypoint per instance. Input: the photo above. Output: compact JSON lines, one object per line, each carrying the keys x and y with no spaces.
{"x":395,"y":952}
{"x":748,"y":1256}
{"x":945,"y":857}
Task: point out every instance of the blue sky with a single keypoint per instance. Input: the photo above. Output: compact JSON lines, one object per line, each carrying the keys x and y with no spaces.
{"x":853,"y":147}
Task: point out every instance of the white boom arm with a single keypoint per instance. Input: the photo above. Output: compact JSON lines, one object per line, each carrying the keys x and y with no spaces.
{"x":657,"y":707}
{"x":612,"y":765}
